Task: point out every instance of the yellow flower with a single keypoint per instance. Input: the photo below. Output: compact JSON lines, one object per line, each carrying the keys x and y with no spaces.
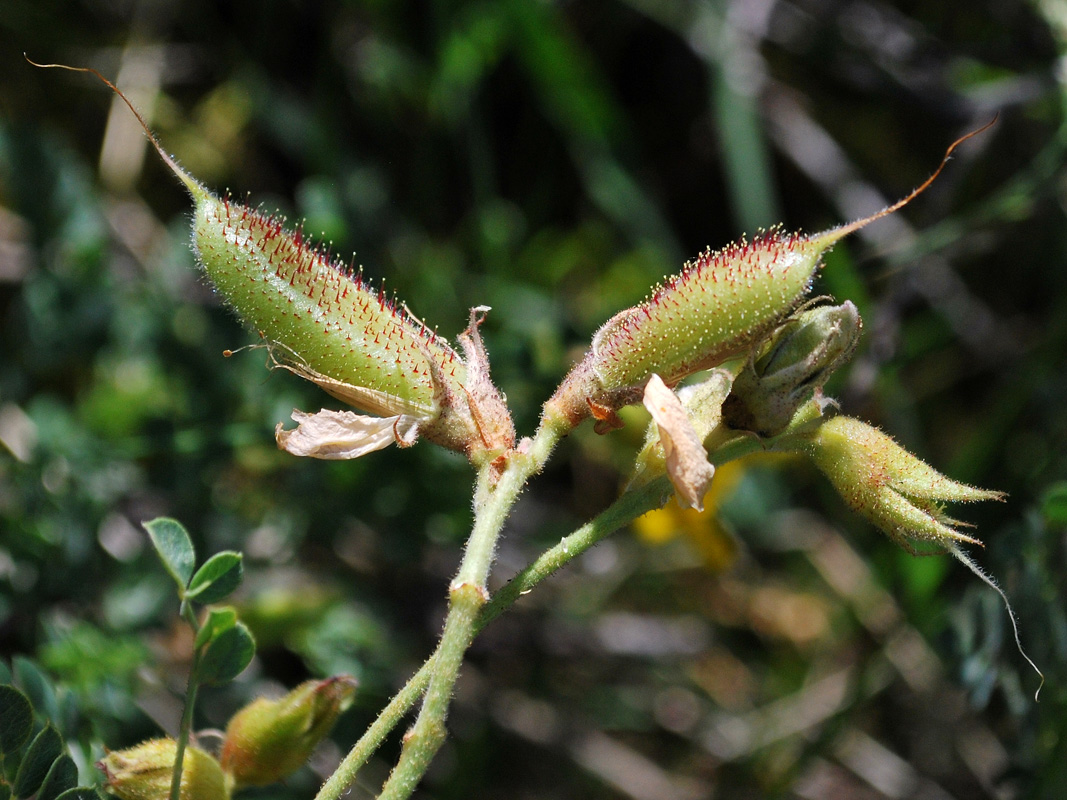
{"x":703,"y":529}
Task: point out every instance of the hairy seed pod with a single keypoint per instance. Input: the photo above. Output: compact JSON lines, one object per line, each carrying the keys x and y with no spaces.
{"x":326,"y":320}
{"x":322,"y":321}
{"x":718,"y":306}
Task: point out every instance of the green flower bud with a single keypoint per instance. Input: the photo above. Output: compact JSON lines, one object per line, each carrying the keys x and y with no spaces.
{"x":790,"y":365}
{"x":145,"y":772}
{"x":269,"y":739}
{"x":901,"y":495}
{"x":893,"y":489}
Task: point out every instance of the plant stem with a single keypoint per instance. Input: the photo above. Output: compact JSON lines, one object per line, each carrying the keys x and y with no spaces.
{"x":623,"y":511}
{"x":494,"y":496}
{"x":186,"y":724}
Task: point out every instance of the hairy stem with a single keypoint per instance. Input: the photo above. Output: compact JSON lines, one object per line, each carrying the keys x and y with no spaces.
{"x":494,"y":496}
{"x":623,"y":511}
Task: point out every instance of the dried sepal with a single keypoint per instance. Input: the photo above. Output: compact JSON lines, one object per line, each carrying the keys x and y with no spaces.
{"x":685,"y":459}
{"x":487,"y":409}
{"x":702,"y":402}
{"x":343,"y":435}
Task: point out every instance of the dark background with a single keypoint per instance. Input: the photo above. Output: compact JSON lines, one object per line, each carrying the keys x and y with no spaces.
{"x":552,"y":160}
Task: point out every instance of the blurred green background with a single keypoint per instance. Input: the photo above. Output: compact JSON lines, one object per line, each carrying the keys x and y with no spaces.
{"x":552,"y":160}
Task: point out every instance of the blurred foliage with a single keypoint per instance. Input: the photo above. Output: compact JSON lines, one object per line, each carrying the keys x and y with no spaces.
{"x":551,"y":160}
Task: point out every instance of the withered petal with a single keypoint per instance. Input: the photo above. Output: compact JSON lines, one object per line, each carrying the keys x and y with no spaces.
{"x":686,"y":460}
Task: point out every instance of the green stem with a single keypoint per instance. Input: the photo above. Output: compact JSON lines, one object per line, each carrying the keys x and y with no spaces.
{"x":626,"y":509}
{"x":494,"y":497}
{"x":623,"y":511}
{"x":186,"y":724}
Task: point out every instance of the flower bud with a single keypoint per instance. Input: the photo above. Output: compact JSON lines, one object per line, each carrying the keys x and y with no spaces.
{"x":793,"y":362}
{"x":145,"y":772}
{"x":889,"y":486}
{"x":269,"y":739}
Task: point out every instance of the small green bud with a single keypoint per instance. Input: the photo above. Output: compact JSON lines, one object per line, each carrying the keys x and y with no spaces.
{"x":790,"y":365}
{"x":269,"y":739}
{"x":893,"y":489}
{"x":145,"y":772}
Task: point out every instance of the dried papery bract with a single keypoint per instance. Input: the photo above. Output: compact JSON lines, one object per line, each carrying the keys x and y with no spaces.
{"x":325,"y":323}
{"x":718,"y":306}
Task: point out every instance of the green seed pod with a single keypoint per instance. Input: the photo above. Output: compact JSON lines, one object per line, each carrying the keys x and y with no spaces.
{"x":718,"y":306}
{"x":322,"y":321}
{"x":145,"y":772}
{"x":325,"y":322}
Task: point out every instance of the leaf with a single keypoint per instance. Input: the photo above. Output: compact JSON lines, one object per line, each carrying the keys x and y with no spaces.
{"x":16,"y":719}
{"x":62,"y":777}
{"x":227,"y":655}
{"x":218,"y":620}
{"x":5,"y":673}
{"x":80,"y":793}
{"x":45,"y":748}
{"x":219,"y":576}
{"x":174,"y":546}
{"x":1054,"y":504}
{"x":37,"y":687}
